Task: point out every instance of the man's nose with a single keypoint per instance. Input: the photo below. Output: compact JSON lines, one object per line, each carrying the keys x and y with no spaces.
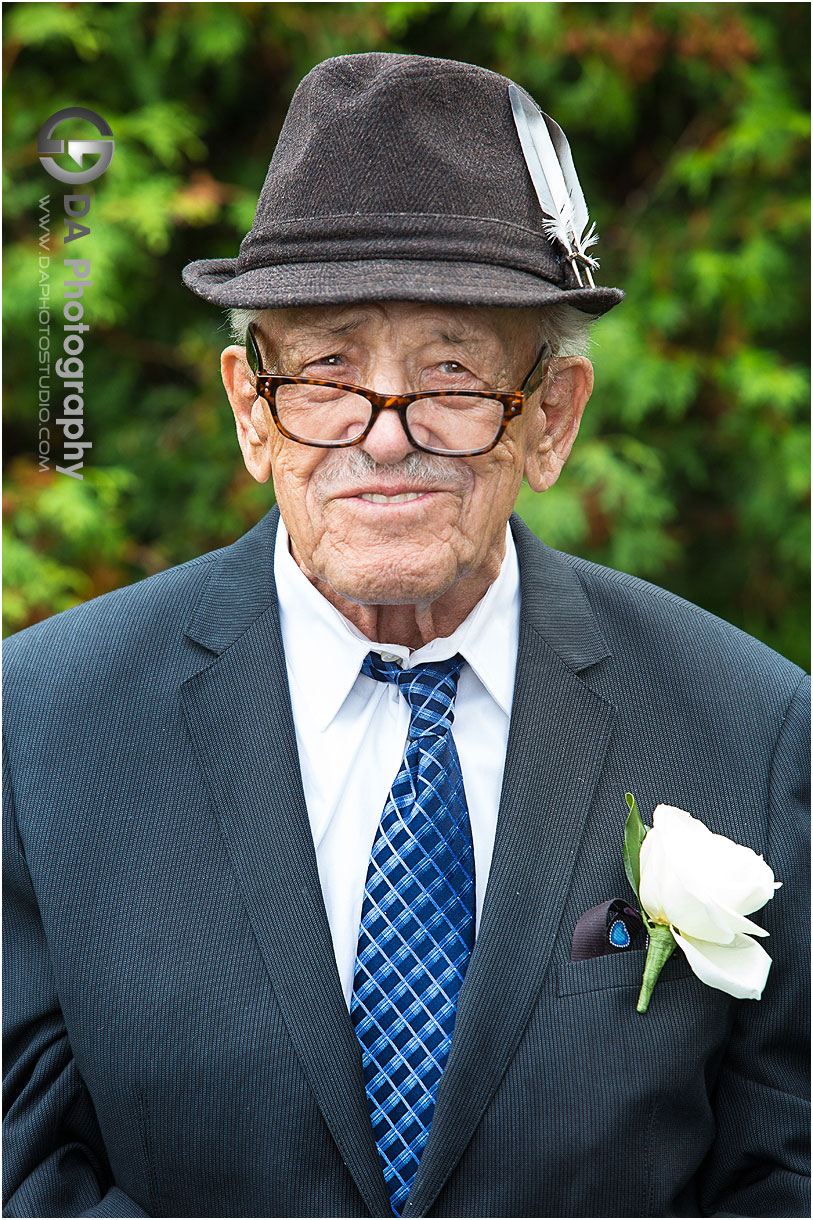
{"x":387,"y":442}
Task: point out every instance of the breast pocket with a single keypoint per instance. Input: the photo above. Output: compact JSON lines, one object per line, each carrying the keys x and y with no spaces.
{"x":616,"y":970}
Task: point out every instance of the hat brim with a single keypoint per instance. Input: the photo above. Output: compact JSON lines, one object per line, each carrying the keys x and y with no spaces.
{"x":344,"y":282}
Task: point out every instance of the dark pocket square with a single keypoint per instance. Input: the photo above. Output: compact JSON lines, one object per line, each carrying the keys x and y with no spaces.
{"x":611,"y":927}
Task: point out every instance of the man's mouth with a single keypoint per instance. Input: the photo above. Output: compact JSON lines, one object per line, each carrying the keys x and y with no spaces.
{"x":387,"y":494}
{"x":401,"y":498}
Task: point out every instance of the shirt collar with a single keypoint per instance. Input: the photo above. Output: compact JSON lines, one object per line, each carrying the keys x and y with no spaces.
{"x":324,"y":651}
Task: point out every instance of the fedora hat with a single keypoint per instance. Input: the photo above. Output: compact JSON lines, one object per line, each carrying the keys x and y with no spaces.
{"x":398,"y":177}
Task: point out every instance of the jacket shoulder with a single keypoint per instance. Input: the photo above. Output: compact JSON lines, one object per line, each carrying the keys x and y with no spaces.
{"x":134,"y":643}
{"x":160,"y":605}
{"x":669,"y":630}
{"x":131,"y":610}
{"x":124,"y":646}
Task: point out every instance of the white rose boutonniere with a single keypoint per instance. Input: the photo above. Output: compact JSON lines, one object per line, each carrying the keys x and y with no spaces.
{"x":695,"y":889}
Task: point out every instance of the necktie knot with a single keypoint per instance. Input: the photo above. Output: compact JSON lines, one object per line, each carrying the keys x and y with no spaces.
{"x":429,"y":689}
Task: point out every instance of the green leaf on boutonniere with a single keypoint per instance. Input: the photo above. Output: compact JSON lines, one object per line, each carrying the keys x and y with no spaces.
{"x":634,"y":835}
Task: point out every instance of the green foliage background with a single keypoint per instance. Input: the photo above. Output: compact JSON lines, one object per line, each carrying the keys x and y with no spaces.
{"x":690,"y":129}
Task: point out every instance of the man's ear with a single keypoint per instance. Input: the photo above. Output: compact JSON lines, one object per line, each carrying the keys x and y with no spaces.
{"x":555,"y":419}
{"x":250,"y":413}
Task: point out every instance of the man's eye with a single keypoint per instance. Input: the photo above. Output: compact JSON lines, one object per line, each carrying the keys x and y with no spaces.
{"x":331,"y":362}
{"x":451,"y":366}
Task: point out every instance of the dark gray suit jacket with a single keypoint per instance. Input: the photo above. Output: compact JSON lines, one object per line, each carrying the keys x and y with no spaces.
{"x":178,"y":1043}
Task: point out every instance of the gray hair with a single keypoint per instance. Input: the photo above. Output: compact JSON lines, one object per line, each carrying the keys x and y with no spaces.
{"x":566,"y":329}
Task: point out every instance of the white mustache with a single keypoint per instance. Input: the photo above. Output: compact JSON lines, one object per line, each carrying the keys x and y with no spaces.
{"x":423,"y":471}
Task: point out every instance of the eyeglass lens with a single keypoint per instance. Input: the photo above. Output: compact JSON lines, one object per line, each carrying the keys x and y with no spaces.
{"x":327,"y":415}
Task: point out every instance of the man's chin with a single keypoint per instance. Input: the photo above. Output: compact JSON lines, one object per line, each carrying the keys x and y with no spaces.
{"x":376,"y":590}
{"x":387,"y":572}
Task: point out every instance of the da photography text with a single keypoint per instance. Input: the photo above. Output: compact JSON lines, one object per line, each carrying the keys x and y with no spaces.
{"x":61,"y":364}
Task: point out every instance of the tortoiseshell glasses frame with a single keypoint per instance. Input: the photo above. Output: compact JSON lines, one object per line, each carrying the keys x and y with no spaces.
{"x":512,"y":402}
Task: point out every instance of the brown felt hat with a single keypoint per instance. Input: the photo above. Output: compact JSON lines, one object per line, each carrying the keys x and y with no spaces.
{"x":397,"y":177}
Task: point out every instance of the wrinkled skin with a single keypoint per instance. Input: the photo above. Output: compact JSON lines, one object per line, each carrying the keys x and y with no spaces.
{"x":405,"y":572}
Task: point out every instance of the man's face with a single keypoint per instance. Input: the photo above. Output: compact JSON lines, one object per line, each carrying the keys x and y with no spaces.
{"x":345,"y":509}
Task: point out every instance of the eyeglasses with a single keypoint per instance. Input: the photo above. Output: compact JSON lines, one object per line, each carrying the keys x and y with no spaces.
{"x":333,"y":415}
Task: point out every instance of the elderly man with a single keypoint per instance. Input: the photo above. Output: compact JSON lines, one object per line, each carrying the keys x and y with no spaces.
{"x":315,"y":883}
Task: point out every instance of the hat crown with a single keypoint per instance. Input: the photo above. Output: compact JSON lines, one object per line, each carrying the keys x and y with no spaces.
{"x":379,"y":133}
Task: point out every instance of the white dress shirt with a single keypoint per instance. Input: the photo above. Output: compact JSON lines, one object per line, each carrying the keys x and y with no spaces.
{"x":351,"y":730}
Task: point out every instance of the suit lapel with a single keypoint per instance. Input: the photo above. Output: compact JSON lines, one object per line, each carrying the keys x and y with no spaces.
{"x":238,"y":712}
{"x":558,"y":736}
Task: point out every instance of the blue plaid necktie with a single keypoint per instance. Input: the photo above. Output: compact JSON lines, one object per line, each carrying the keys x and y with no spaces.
{"x":417,"y":924}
